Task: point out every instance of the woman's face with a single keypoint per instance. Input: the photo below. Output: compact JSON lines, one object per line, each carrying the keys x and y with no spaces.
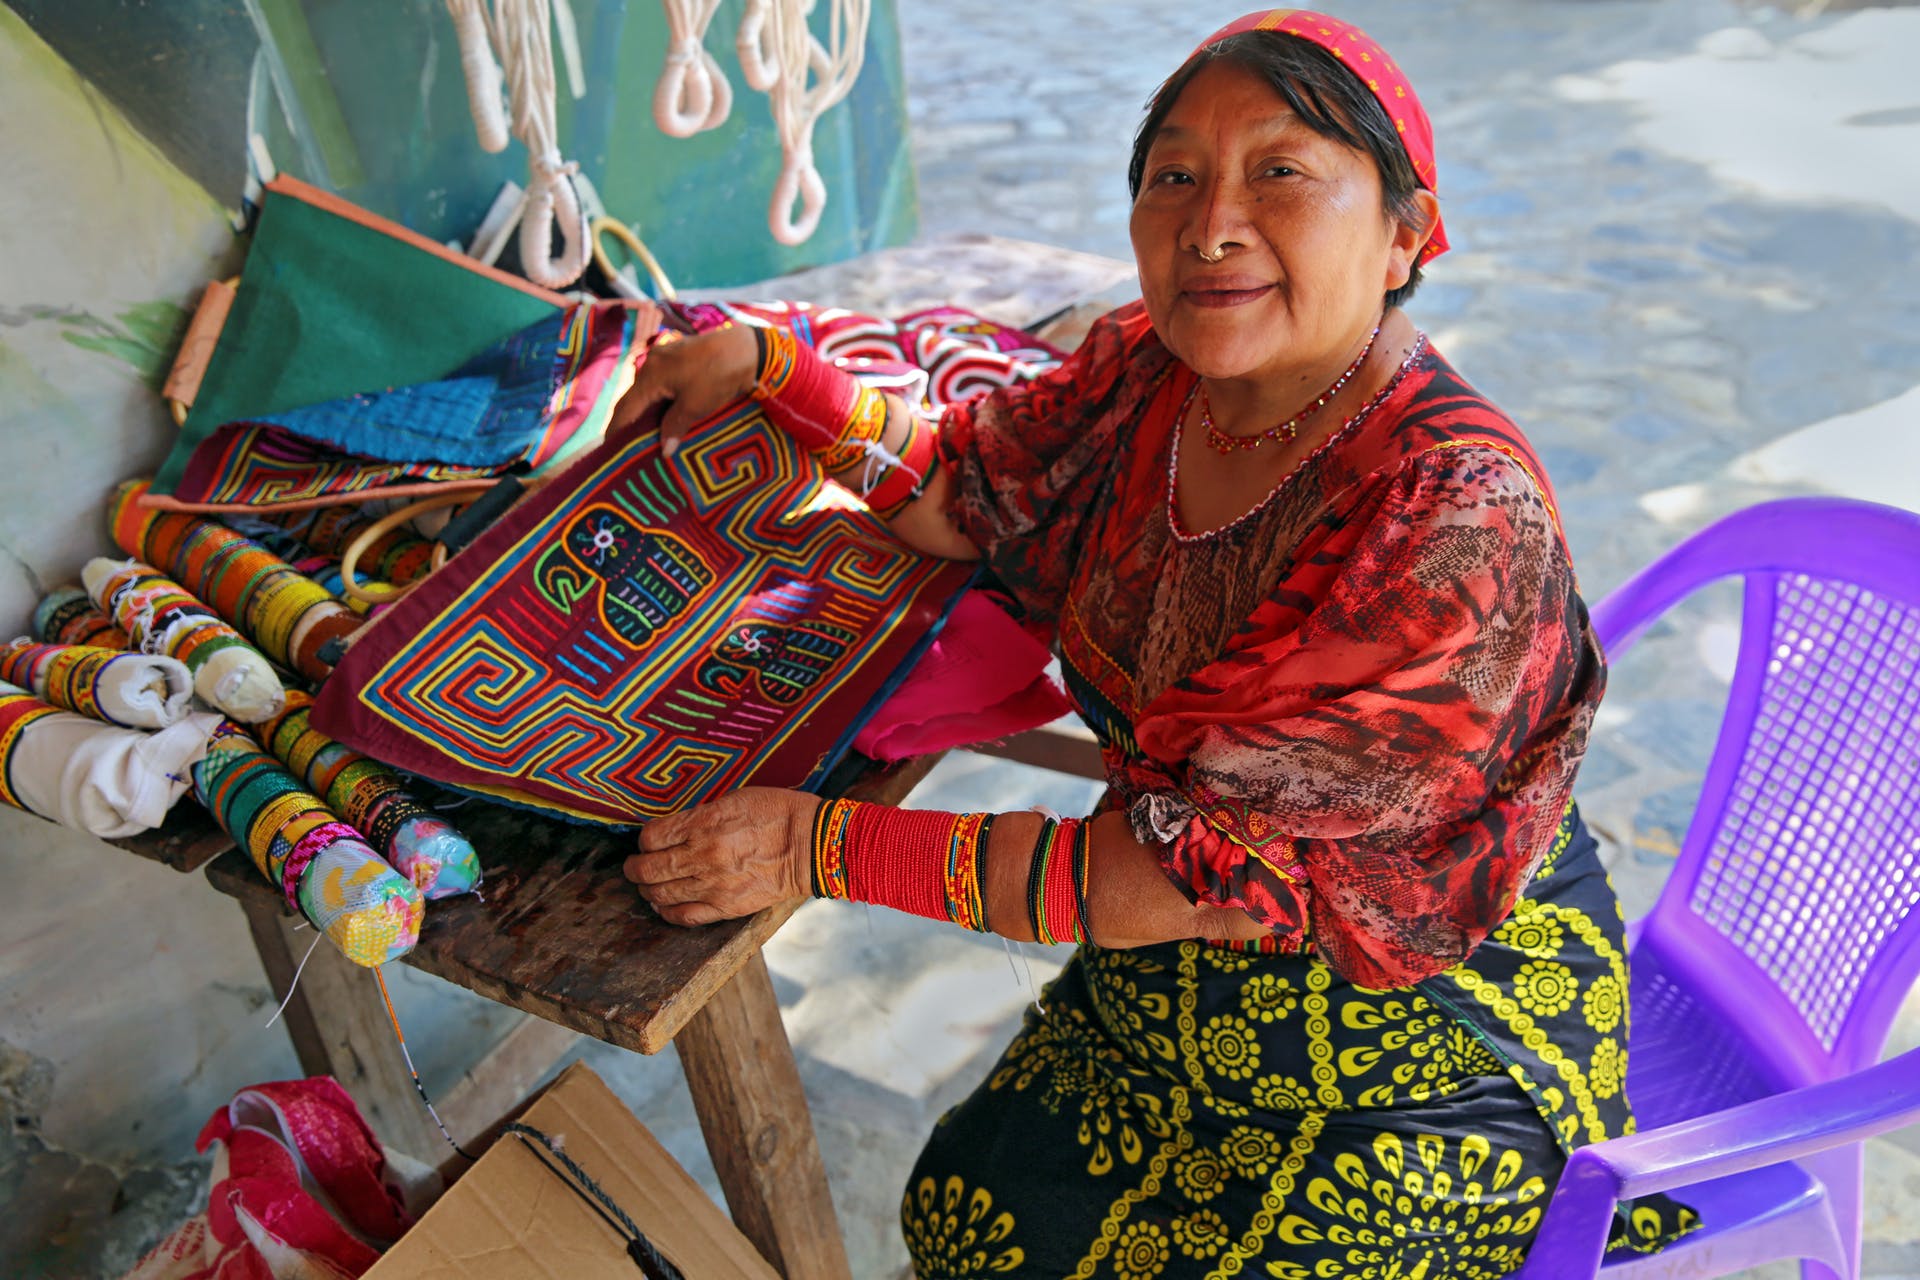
{"x":1309,"y":249}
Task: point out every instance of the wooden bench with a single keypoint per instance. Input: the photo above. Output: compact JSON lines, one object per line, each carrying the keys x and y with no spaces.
{"x":560,"y":935}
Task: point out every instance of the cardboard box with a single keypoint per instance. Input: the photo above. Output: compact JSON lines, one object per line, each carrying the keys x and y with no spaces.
{"x":512,"y":1218}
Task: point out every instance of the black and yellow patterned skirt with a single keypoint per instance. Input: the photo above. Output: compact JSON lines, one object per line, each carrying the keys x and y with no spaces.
{"x":1191,"y":1110}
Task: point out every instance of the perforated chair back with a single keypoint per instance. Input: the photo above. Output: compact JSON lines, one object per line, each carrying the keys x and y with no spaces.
{"x":1791,"y":907}
{"x":1786,"y":937}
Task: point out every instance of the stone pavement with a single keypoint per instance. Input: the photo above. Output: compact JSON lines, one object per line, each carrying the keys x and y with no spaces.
{"x":1686,"y":236}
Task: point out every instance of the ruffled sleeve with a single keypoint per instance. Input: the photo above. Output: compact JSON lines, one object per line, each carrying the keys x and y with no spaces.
{"x":1382,"y":756}
{"x":1031,"y":463}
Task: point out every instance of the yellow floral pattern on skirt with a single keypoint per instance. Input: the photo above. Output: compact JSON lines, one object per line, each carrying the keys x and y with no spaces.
{"x":1197,"y":1111}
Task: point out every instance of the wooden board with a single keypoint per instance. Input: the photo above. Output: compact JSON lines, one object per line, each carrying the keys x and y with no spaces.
{"x":187,"y":841}
{"x":560,"y":933}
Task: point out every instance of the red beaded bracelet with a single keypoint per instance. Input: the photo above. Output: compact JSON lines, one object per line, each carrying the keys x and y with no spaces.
{"x":842,"y":422}
{"x":915,"y":860}
{"x":906,"y":477}
{"x":934,"y":865}
{"x":1054,"y":882}
{"x":806,"y":397}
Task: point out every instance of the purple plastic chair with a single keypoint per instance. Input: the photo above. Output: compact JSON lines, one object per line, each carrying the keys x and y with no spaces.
{"x":1766,"y":978}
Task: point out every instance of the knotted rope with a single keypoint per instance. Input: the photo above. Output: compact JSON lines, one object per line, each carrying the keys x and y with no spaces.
{"x":519,"y":34}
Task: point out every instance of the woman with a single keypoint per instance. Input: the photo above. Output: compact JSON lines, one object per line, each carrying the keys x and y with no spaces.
{"x":1353,"y":980}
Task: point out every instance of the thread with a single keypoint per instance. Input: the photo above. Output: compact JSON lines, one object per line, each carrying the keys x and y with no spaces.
{"x":407,"y":1057}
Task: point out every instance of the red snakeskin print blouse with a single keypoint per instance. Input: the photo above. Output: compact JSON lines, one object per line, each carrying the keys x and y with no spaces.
{"x":1356,"y":713}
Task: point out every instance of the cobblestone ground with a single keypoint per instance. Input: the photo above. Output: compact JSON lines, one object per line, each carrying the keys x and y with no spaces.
{"x":1685,"y":245}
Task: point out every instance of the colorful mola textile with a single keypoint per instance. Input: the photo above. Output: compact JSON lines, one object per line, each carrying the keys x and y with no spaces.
{"x":936,"y":356}
{"x":516,"y":405}
{"x":647,"y":633}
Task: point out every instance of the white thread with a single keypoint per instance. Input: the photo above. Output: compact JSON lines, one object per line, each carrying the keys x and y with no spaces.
{"x":295,"y":984}
{"x":759,"y":65}
{"x":880,"y":461}
{"x":1033,"y":988}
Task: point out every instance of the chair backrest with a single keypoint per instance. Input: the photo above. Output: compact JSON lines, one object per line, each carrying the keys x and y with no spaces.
{"x":1792,"y":905}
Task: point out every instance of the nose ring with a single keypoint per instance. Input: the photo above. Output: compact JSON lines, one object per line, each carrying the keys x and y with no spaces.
{"x":1215,"y":256}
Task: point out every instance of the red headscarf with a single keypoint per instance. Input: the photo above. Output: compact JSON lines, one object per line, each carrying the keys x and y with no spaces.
{"x":1381,"y":74}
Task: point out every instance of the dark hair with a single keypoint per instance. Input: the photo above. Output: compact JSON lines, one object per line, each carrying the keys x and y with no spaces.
{"x":1329,"y":99}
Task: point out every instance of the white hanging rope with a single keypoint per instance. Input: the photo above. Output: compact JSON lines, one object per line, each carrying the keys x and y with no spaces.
{"x":798,"y":107}
{"x":519,"y":34}
{"x":759,"y":65}
{"x":693,"y":94}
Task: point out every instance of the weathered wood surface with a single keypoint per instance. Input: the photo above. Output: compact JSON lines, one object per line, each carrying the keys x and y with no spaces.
{"x":560,"y":933}
{"x":1063,"y":750}
{"x":188,"y":841}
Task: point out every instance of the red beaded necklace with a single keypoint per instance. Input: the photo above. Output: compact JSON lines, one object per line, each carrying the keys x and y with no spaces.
{"x":1226,"y":444}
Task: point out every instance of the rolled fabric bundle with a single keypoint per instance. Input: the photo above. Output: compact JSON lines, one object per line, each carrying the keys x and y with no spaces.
{"x":98,"y":778}
{"x":326,"y":571}
{"x":399,"y":555}
{"x":137,"y":690}
{"x":69,"y":616}
{"x":416,"y":842}
{"x":159,"y":616}
{"x":288,"y":615}
{"x":325,"y":868}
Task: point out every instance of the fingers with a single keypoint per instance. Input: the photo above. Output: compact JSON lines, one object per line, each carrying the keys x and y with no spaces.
{"x":658,"y":868}
{"x":695,"y":913}
{"x":674,"y":426}
{"x":727,"y":858}
{"x":664,"y":833}
{"x":648,"y":389}
{"x":702,"y":899}
{"x":675,"y":893}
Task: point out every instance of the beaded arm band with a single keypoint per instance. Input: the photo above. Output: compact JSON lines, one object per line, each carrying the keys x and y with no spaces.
{"x":1056,"y":881}
{"x":832,"y":415}
{"x":933,"y":864}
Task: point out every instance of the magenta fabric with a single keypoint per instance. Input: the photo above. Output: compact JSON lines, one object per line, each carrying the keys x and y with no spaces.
{"x":983,"y":678}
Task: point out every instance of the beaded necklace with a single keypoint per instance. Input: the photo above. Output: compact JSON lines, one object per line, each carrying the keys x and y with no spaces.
{"x":1360,"y":415}
{"x":1282,"y":431}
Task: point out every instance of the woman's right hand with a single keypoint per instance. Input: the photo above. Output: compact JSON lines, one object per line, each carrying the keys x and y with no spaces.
{"x":698,"y":376}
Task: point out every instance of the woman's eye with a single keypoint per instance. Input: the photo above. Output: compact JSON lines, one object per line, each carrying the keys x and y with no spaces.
{"x":1172,"y":177}
{"x":1280,"y":170}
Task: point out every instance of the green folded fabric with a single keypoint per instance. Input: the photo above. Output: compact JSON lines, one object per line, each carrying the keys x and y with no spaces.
{"x":334,"y":301}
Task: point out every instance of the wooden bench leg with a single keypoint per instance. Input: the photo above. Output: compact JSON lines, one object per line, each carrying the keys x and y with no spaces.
{"x":339,"y":1027}
{"x":746,"y":1089}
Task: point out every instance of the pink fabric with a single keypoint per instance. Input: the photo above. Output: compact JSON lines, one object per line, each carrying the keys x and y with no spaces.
{"x":982,"y":678}
{"x":298,"y":1189}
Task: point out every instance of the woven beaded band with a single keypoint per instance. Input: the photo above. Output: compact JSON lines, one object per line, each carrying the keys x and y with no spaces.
{"x":914,"y":860}
{"x":842,"y":422}
{"x":1055,"y":898}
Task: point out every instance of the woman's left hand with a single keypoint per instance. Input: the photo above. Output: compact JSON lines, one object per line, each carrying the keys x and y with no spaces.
{"x":731,"y":857}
